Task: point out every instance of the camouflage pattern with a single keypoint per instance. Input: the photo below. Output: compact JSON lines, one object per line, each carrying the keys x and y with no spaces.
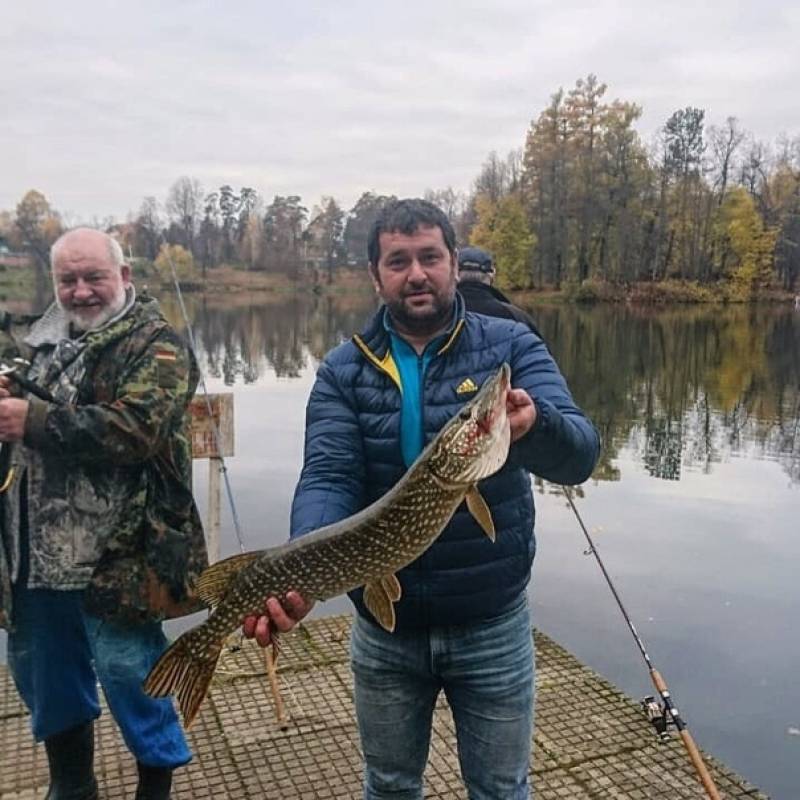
{"x":108,"y":468}
{"x":12,"y":328}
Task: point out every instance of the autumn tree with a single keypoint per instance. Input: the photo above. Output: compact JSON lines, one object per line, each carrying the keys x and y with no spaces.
{"x":174,"y":256}
{"x":359,"y":221}
{"x":503,"y":230}
{"x":36,"y":227}
{"x":748,"y":244}
{"x":546,"y":164}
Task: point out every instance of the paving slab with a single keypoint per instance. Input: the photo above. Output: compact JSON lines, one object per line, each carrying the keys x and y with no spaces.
{"x":591,"y":741}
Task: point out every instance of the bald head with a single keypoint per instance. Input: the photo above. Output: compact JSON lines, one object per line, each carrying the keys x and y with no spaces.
{"x":86,"y":240}
{"x":90,"y":277}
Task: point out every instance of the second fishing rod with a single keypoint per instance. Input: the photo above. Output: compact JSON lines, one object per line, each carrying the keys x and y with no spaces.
{"x":665,"y":714}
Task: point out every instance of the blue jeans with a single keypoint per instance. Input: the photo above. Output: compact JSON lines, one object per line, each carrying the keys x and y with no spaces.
{"x":58,"y":652}
{"x":486,"y":671}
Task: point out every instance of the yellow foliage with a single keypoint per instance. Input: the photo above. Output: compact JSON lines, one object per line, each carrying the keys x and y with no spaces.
{"x":748,"y":244}
{"x":180,"y":258}
{"x":503,"y":230}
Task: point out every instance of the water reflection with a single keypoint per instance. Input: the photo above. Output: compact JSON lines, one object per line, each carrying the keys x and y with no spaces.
{"x":241,"y":339}
{"x":684,"y":389}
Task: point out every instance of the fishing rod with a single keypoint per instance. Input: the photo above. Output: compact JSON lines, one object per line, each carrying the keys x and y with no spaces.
{"x":662,"y":715}
{"x":223,"y":468}
{"x":269,"y":655}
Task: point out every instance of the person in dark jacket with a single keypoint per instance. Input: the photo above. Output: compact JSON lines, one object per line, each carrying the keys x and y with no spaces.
{"x":463,"y":624}
{"x":101,"y":536}
{"x":476,"y":274}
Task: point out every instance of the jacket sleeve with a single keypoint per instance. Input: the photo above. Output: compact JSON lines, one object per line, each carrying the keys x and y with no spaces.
{"x":331,"y":484}
{"x":150,"y":397}
{"x":563,"y":446}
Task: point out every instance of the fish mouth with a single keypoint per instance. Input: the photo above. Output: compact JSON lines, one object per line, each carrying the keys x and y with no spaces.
{"x":495,"y":402}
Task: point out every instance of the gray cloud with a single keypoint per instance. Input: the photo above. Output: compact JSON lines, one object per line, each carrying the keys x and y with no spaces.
{"x":105,"y":103}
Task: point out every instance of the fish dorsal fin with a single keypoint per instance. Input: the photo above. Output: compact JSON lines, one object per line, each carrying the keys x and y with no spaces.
{"x":213,"y":584}
{"x":478,"y":508}
{"x":379,"y":602}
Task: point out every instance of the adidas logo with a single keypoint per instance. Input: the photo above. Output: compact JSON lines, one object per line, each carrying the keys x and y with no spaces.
{"x":466,"y":386}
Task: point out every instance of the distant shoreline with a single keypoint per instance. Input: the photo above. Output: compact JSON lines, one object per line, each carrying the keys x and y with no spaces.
{"x":17,"y":285}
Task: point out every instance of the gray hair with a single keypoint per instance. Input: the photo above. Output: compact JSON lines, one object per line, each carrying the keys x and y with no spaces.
{"x":473,"y":276}
{"x":115,"y":254}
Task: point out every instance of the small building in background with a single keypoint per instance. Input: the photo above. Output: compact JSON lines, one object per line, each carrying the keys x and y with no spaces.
{"x":12,"y":258}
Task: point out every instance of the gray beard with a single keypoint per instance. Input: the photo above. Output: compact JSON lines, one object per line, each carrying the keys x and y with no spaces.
{"x":80,"y":323}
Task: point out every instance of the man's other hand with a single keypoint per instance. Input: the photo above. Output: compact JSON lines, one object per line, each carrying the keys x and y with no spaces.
{"x":521,"y":412}
{"x":279,"y":618}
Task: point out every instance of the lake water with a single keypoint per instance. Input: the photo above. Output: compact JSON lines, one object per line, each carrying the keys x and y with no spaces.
{"x":694,"y":506}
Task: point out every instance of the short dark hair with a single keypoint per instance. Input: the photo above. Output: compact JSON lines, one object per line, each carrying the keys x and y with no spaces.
{"x":405,"y":216}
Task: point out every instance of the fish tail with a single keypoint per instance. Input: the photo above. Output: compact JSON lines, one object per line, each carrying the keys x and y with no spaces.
{"x":185,"y":669}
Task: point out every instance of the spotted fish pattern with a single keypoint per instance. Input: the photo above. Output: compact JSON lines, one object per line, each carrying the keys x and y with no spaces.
{"x":366,"y":549}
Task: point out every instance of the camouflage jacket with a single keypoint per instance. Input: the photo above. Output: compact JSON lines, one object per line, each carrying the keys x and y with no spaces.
{"x":108,"y":471}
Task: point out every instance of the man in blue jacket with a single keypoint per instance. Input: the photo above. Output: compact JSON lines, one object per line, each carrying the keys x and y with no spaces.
{"x":463,"y":623}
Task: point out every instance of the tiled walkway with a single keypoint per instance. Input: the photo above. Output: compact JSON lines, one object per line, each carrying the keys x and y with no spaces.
{"x":591,"y":741}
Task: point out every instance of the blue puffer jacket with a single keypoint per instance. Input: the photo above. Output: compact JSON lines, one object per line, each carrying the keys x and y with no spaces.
{"x":353,"y":457}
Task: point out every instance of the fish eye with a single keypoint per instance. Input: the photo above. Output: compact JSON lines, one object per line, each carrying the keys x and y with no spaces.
{"x":464,"y":415}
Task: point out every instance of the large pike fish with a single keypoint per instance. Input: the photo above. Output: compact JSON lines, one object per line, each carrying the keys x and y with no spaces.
{"x":366,"y":549}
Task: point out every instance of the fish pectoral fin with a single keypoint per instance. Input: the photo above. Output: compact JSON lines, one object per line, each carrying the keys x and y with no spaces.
{"x":392,"y":587}
{"x":480,"y":511}
{"x":379,"y":604}
{"x":213,"y":584}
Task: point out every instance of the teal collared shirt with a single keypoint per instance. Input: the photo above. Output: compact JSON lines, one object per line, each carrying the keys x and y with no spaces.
{"x":412,"y":368}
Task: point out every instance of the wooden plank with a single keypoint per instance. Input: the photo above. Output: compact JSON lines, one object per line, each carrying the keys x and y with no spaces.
{"x":214,"y":500}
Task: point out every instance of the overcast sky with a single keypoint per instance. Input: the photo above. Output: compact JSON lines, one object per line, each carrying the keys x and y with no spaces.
{"x":103,"y":103}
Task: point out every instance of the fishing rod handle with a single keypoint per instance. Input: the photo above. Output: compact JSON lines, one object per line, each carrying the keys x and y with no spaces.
{"x":691,"y":748}
{"x":700,"y":765}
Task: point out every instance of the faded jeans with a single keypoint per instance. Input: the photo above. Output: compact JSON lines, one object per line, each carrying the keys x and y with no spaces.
{"x":486,"y":671}
{"x":57,"y":654}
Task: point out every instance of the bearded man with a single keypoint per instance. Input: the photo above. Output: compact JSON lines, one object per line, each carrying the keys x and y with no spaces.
{"x":101,"y":536}
{"x":463,"y":625}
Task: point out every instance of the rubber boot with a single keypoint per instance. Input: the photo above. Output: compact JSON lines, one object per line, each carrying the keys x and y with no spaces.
{"x":154,"y":782}
{"x":70,"y":755}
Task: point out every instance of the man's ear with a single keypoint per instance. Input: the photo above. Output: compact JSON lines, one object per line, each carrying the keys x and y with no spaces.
{"x":125,"y":271}
{"x":373,"y":274}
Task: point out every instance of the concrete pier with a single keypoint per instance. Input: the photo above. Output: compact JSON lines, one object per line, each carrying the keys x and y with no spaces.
{"x":591,"y":741}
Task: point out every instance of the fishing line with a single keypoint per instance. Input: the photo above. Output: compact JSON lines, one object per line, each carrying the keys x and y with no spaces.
{"x":660,"y":716}
{"x":214,"y":428}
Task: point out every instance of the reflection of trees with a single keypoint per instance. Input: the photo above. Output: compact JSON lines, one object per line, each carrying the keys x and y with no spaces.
{"x":662,"y":451}
{"x":684,"y":388}
{"x":242,"y":337}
